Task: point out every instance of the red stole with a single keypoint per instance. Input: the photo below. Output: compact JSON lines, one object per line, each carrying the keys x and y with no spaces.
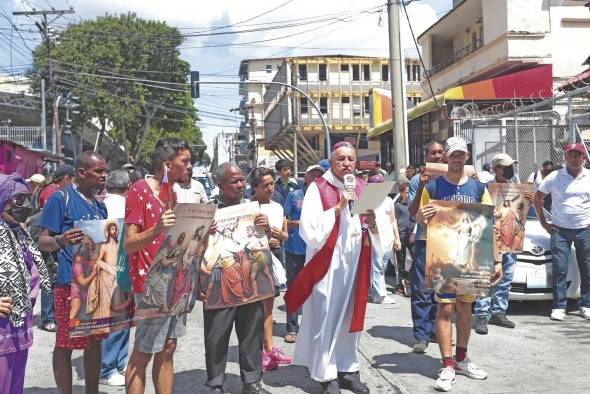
{"x":302,"y":286}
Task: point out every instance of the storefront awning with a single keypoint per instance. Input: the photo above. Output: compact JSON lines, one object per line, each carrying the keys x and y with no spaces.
{"x":534,"y":83}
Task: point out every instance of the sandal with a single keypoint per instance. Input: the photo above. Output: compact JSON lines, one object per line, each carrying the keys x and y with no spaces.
{"x":291,"y":337}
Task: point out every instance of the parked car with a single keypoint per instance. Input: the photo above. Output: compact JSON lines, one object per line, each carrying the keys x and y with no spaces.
{"x":205,"y":180}
{"x":533,"y":278}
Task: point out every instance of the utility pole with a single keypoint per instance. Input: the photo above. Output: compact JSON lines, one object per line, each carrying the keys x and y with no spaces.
{"x":45,"y":33}
{"x":43,"y":117}
{"x":398,"y":100}
{"x":253,"y":128}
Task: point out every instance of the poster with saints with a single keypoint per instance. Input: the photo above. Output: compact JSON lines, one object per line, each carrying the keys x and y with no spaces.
{"x":171,"y":282}
{"x":237,"y":267}
{"x":98,"y":305}
{"x":459,"y":248}
{"x":510,"y":212}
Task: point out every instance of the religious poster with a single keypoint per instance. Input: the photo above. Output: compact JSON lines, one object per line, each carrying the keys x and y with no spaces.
{"x":511,"y":208}
{"x":437,"y":169}
{"x":171,"y":282}
{"x":459,"y":248}
{"x":98,"y":305}
{"x":237,"y":267}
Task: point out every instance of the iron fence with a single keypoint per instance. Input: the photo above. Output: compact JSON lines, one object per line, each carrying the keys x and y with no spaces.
{"x":28,"y":136}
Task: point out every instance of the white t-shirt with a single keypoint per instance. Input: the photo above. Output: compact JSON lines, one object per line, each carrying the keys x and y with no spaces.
{"x":535,"y":181}
{"x":383,"y":222}
{"x":115,"y":206}
{"x":570,"y":198}
{"x":194,"y":194}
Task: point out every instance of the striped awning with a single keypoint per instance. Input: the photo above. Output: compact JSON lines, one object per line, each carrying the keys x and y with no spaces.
{"x":534,"y":83}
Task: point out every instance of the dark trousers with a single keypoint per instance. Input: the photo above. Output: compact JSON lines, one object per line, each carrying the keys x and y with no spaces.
{"x":423,"y":304}
{"x":294,"y":264}
{"x":47,"y":307}
{"x":248,"y":320}
{"x":400,"y":255}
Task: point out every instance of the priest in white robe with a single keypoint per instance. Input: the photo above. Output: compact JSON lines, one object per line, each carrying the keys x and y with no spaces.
{"x":333,"y":285}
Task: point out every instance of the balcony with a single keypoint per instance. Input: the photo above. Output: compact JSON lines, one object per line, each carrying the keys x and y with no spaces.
{"x":454,"y":57}
{"x":29,"y":137}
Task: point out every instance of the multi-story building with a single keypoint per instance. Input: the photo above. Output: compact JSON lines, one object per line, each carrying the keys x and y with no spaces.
{"x":339,"y":86}
{"x":413,"y":77}
{"x":483,"y":53}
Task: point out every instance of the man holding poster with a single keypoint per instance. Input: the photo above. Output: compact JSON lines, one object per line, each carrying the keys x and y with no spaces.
{"x":456,"y":186}
{"x":333,"y":285}
{"x":148,"y":214}
{"x":509,"y":229}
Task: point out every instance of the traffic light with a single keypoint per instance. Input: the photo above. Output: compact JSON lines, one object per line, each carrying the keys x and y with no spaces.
{"x":195,"y":86}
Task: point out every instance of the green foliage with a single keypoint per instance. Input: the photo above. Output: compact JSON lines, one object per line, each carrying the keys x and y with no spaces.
{"x":89,"y":58}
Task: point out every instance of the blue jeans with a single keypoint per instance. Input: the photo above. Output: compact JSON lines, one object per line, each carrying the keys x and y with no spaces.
{"x":561,"y":241}
{"x":294,"y":263}
{"x":378,"y":265}
{"x":497,"y":302}
{"x":47,"y":307}
{"x":115,"y":348}
{"x":423,"y":304}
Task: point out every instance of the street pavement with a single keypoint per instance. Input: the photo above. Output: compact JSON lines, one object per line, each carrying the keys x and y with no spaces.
{"x":538,"y":356}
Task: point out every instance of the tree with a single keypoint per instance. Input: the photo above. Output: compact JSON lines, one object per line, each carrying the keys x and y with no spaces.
{"x":129,"y":77}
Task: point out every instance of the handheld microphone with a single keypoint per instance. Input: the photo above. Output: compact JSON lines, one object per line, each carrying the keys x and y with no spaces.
{"x":349,"y":184}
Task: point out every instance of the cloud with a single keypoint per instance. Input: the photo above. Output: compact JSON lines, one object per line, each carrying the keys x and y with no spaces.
{"x":348,"y":27}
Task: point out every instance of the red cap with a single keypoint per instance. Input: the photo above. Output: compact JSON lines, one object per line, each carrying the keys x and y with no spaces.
{"x":575,"y":148}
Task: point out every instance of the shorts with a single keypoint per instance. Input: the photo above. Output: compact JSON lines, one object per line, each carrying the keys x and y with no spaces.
{"x":451,"y":298}
{"x":151,"y":334}
{"x":62,"y":303}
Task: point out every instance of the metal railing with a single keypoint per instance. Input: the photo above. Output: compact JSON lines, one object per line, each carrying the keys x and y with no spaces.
{"x":454,"y":57}
{"x":28,"y":136}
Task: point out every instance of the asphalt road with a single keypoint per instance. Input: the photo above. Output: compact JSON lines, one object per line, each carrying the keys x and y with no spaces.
{"x":538,"y":356}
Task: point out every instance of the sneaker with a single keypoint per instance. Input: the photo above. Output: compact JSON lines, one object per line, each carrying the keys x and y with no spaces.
{"x":420,"y":347}
{"x":481,"y":325}
{"x":557,"y":314}
{"x":385,"y":300}
{"x":115,"y":379}
{"x":268,"y":363}
{"x":585,"y":312}
{"x":500,"y":319}
{"x":468,"y":368}
{"x":446,"y":379}
{"x":279,"y":356}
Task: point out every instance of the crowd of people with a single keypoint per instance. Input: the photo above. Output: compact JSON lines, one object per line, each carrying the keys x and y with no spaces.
{"x":335,"y":263}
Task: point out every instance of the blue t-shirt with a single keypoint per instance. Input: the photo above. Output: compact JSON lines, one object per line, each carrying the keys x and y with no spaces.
{"x":59,"y":217}
{"x":413,"y":188}
{"x":293,"y":203}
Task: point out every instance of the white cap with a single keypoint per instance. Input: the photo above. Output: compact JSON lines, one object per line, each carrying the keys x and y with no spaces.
{"x":36,"y":178}
{"x":315,"y":167}
{"x":455,"y":144}
{"x":502,"y":159}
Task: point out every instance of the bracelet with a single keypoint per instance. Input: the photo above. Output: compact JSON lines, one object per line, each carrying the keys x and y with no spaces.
{"x":55,"y":244}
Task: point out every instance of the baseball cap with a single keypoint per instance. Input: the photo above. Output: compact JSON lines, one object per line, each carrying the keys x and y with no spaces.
{"x":502,"y":159}
{"x":454,"y":144}
{"x":325,"y":164}
{"x":36,"y":178}
{"x":315,"y":167}
{"x":575,"y":148}
{"x":63,"y":170}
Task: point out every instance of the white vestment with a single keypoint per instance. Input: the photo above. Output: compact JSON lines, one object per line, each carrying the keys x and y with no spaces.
{"x":324,"y":344}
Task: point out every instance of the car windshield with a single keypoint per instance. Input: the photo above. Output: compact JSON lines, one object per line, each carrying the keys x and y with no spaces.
{"x":206,"y":184}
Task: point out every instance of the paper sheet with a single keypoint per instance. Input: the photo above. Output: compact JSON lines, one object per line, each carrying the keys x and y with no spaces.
{"x":372,"y":197}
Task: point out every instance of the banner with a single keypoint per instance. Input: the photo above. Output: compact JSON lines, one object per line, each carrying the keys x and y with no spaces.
{"x":437,"y":169}
{"x":237,"y":267}
{"x":170,"y":287}
{"x":511,"y":208}
{"x":98,"y":305}
{"x":459,"y":248}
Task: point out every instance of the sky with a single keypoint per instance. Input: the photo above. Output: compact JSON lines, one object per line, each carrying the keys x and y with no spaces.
{"x":358,"y":28}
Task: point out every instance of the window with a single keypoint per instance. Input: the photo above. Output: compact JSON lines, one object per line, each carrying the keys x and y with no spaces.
{"x":323,"y":73}
{"x":366,"y":72}
{"x":269,"y":68}
{"x":304,"y":105}
{"x":416,"y":72}
{"x":345,"y":100}
{"x":408,"y":73}
{"x":417,"y":99}
{"x":355,"y":72}
{"x":302,"y":71}
{"x":356,"y":110}
{"x":344,"y":68}
{"x":367,"y":104}
{"x":385,"y":72}
{"x":323,"y":105}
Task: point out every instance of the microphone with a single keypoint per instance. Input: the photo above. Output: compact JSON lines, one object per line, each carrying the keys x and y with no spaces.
{"x":349,"y":184}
